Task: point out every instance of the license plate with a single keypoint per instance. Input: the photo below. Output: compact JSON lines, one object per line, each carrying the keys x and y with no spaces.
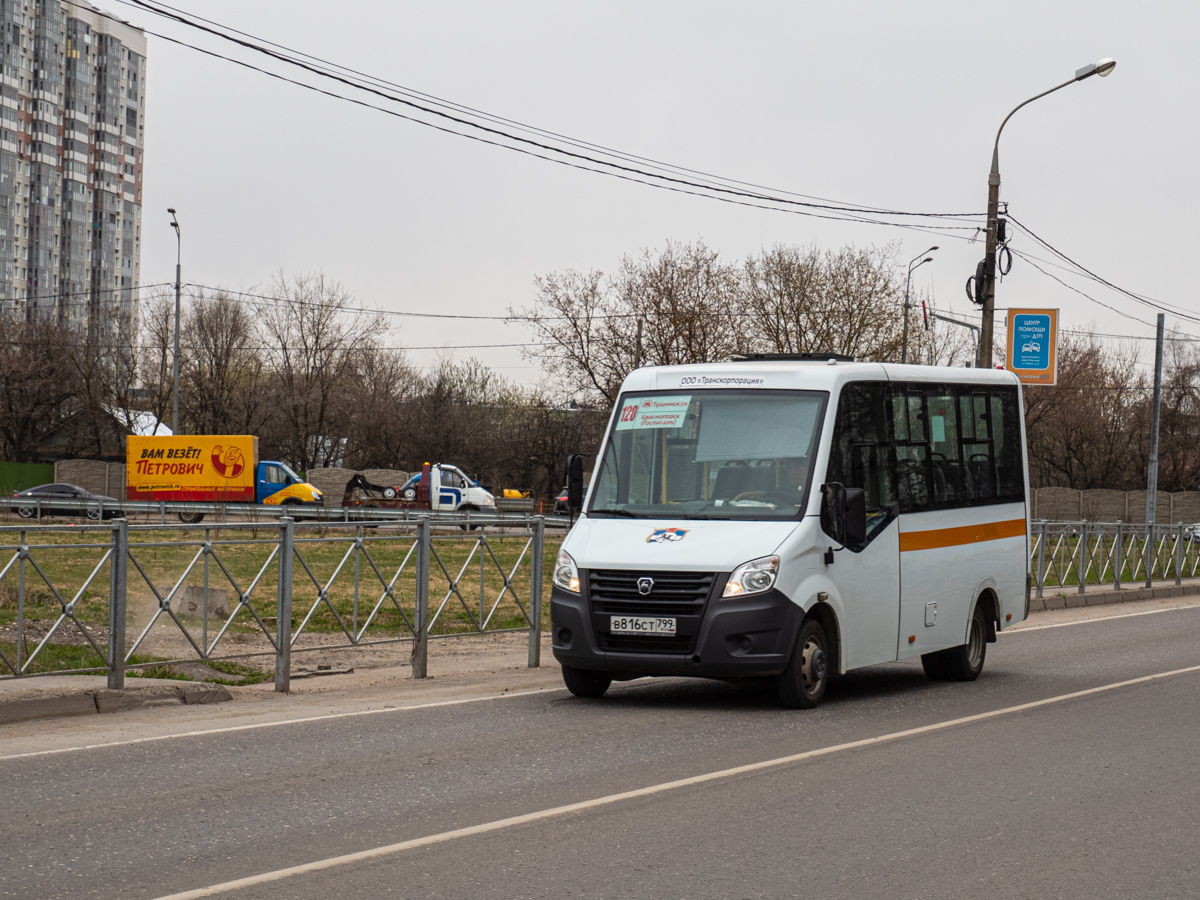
{"x":641,"y":625}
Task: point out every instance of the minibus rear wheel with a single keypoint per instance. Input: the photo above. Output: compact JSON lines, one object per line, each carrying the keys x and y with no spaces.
{"x":586,"y":682}
{"x":964,"y":662}
{"x":803,"y":682}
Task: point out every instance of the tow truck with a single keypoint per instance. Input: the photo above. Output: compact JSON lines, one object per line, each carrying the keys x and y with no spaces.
{"x":437,"y":487}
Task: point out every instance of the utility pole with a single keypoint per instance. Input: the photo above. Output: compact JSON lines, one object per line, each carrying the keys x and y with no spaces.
{"x":1152,"y":474}
{"x":637,"y":350}
{"x":175,"y":364}
{"x":987,"y":286}
{"x":907,"y":305}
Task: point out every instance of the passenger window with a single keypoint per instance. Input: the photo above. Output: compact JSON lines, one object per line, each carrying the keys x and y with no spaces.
{"x":962,"y":448}
{"x":1006,"y":440}
{"x":858,"y":455}
{"x":946,"y":464}
{"x":275,"y":475}
{"x":912,"y":448}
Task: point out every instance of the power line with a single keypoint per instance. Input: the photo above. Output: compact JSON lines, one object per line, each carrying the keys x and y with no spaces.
{"x":449,"y":104}
{"x":680,"y":185}
{"x":1155,"y":304}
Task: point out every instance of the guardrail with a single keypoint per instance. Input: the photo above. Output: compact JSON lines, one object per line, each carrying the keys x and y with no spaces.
{"x":98,"y":511}
{"x":368,"y":587}
{"x":1076,"y":554}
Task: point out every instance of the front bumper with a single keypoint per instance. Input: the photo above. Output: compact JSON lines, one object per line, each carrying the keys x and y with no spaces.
{"x":738,"y":637}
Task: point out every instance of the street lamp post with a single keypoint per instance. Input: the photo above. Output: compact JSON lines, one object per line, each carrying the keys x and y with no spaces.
{"x":987,"y":290}
{"x":175,"y":364}
{"x":907,"y":282}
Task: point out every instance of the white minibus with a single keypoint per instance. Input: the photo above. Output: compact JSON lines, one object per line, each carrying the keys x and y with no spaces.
{"x":794,"y":516}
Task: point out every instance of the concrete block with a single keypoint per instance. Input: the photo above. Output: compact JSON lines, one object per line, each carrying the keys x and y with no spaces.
{"x":74,"y":704}
{"x":193,"y":694}
{"x":1097,"y":598}
{"x":190,"y":602}
{"x":1036,"y":605}
{"x":135,"y":697}
{"x":1076,"y":600}
{"x":1053,"y":602}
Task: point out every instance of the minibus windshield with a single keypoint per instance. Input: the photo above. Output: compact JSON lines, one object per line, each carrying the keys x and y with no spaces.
{"x":715,"y":454}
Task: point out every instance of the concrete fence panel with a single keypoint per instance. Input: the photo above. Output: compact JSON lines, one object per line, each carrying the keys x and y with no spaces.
{"x":1185,"y":507}
{"x":1137,"y":507}
{"x":1101,"y":505}
{"x":89,"y":474}
{"x":1058,"y":504}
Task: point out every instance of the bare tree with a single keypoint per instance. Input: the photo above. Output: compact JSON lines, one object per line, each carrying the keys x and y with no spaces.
{"x":223,"y":374}
{"x":314,"y":342}
{"x":680,"y":306}
{"x":37,"y":384}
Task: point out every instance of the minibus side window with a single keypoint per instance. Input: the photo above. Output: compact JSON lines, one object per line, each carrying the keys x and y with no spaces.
{"x":977,"y":445}
{"x":909,"y":436}
{"x":1006,"y":441}
{"x":858,"y":454}
{"x":945,"y":461}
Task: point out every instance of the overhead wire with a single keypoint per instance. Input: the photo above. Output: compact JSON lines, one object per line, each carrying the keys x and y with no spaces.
{"x":628,"y":173}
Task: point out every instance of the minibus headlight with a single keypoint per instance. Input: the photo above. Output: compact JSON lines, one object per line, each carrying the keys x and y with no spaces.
{"x":753,"y":577}
{"x":566,"y":575}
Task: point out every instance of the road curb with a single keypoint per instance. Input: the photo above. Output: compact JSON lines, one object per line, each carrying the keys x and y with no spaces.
{"x":56,"y":703}
{"x":1064,"y":600}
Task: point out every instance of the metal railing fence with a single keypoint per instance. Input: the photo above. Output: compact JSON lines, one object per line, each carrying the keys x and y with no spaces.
{"x":1078,"y":554}
{"x":220,"y":589}
{"x":95,"y":510}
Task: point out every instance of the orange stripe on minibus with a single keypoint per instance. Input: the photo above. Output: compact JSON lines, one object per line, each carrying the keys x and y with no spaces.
{"x":965,"y":534}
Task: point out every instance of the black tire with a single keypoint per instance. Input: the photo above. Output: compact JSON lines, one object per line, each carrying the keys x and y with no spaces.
{"x":93,"y":514}
{"x":934,"y":665}
{"x":472,"y":510}
{"x":191,"y":518}
{"x":26,"y":512}
{"x":586,"y":682}
{"x":389,"y":493}
{"x":964,"y":662}
{"x":802,"y":684}
{"x":410,"y":493}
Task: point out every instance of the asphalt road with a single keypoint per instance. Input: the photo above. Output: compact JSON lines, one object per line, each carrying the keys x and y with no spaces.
{"x":1090,"y":796}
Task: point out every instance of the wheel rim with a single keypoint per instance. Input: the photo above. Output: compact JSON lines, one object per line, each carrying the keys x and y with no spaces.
{"x":975,"y":648}
{"x":813,"y":665}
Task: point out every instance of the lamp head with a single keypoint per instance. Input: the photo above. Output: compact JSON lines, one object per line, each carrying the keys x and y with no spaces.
{"x":927,"y":259}
{"x":1101,"y":68}
{"x":171,"y":211}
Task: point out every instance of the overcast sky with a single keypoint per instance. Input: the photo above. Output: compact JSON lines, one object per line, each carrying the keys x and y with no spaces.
{"x":888,"y":104}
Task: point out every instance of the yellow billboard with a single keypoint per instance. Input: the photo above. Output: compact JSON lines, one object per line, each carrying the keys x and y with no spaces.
{"x":209,"y":467}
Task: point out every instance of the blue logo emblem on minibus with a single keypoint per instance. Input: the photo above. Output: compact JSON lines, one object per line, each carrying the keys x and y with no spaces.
{"x":666,"y":535}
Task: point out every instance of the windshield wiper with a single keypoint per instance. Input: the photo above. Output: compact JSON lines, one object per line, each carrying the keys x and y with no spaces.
{"x":616,"y":512}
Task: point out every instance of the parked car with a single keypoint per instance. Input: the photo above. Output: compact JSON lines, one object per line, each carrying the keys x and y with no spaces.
{"x":1191,"y":533}
{"x":86,"y":504}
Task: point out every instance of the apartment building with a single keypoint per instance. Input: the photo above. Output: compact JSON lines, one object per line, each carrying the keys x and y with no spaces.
{"x":72,"y":131}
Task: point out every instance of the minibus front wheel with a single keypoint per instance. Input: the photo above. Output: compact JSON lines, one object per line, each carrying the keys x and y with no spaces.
{"x":586,"y":682}
{"x":802,"y":684}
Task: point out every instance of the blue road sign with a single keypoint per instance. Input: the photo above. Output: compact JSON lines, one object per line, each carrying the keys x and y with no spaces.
{"x":1032,"y":339}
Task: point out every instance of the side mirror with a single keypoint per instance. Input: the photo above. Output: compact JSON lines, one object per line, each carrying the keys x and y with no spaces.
{"x":575,"y":481}
{"x":844,"y":514}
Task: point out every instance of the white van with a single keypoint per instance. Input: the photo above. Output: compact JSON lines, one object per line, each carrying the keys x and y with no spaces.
{"x":790,"y":517}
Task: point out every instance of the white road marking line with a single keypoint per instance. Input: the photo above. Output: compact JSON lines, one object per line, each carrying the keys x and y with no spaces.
{"x":322,"y":718}
{"x":497,"y":825}
{"x":1144,"y":612}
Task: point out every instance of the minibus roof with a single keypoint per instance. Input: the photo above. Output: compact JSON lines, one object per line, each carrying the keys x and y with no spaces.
{"x":800,"y":375}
